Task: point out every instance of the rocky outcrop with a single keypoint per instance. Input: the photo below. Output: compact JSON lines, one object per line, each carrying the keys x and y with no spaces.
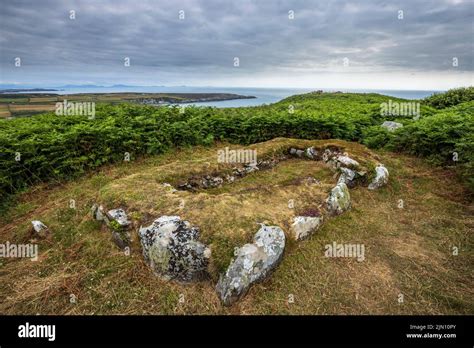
{"x":304,"y":226}
{"x":381,"y":177}
{"x":171,"y":248}
{"x":391,"y":126}
{"x":339,"y":199}
{"x":253,"y":263}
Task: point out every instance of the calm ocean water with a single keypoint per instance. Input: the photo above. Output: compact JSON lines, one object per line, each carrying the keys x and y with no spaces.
{"x":263,"y":95}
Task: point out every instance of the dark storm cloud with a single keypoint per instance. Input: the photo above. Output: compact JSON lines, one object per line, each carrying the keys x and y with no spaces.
{"x":213,"y":32}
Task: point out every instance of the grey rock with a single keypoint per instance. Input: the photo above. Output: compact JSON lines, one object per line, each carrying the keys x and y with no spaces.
{"x":347,"y":176}
{"x":391,"y":126}
{"x":329,"y":154}
{"x":304,"y":226}
{"x":296,"y":152}
{"x":170,"y":187}
{"x":381,"y":177}
{"x":40,"y":228}
{"x":98,"y":213}
{"x":311,"y":153}
{"x":120,"y":216}
{"x":346,"y":161}
{"x":339,"y":199}
{"x":253,"y":263}
{"x":121,"y":239}
{"x":171,"y":248}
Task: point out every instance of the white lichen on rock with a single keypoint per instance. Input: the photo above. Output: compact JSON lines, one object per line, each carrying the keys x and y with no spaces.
{"x":339,"y":199}
{"x":40,"y":228}
{"x":171,"y":248}
{"x":304,"y":226}
{"x":120,"y":216}
{"x":381,"y":177}
{"x":253,"y":263}
{"x":346,"y":161}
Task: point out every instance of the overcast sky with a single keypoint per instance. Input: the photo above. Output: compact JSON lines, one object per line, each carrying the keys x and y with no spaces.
{"x":274,"y":48}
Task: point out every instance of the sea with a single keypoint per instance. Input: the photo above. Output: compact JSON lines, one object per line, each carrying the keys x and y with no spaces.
{"x":263,"y":95}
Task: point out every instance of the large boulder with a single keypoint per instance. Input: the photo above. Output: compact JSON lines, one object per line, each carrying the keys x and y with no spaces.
{"x":391,"y":126}
{"x":171,"y":248}
{"x":339,"y":199}
{"x":253,"y":262}
{"x":304,"y":226}
{"x":381,"y":177}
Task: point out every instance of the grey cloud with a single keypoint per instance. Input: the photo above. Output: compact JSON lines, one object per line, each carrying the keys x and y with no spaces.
{"x":214,"y":32}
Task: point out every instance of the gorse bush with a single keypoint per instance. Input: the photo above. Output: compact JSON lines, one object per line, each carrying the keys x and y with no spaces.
{"x":450,"y":98}
{"x":49,"y":147}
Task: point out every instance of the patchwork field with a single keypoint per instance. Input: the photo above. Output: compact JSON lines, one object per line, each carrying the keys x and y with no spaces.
{"x":27,"y":104}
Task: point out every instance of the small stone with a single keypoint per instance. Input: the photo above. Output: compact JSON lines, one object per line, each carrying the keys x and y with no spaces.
{"x":311,"y":153}
{"x":304,"y":226}
{"x":391,"y":126}
{"x":381,"y":177}
{"x":119,"y":216}
{"x":98,"y":213}
{"x":121,"y":239}
{"x":339,"y":199}
{"x":346,"y":161}
{"x":300,"y":153}
{"x":40,"y":228}
{"x":347,"y":176}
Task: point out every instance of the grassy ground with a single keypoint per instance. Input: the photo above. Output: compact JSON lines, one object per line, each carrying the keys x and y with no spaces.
{"x":408,"y":250}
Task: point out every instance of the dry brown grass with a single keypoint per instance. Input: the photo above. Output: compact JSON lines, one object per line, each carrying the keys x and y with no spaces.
{"x":407,"y":251}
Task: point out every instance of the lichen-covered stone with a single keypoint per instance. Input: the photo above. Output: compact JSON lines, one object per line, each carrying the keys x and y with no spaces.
{"x":98,"y":213}
{"x":346,"y":161}
{"x":329,"y":154}
{"x":40,"y":228}
{"x":120,"y":216}
{"x":171,"y":248}
{"x":312,"y":153}
{"x":339,"y":199}
{"x":350,"y":177}
{"x":347,"y":176}
{"x":381,"y":177}
{"x":253,"y":262}
{"x":304,"y":226}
